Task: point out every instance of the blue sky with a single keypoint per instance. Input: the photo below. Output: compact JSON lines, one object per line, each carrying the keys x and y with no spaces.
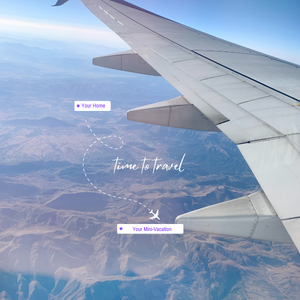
{"x":268,"y":26}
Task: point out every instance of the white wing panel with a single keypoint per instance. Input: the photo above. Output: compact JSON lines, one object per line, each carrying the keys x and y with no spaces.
{"x":247,"y":129}
{"x":284,"y":119}
{"x":200,"y":41}
{"x":234,"y":89}
{"x":199,"y":69}
{"x":295,"y":140}
{"x":281,"y":182}
{"x":270,"y":71}
{"x":263,"y":104}
{"x":292,"y":227}
{"x":164,"y":48}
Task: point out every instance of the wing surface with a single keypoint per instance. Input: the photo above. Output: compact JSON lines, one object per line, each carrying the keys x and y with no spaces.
{"x":250,"y":96}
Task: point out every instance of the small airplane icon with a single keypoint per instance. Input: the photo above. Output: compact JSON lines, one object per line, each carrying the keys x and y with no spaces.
{"x":155,"y":216}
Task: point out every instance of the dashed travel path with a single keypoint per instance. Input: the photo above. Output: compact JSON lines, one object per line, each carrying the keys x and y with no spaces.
{"x":84,"y":171}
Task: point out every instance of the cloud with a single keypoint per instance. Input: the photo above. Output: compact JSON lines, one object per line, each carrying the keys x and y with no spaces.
{"x":59,"y":32}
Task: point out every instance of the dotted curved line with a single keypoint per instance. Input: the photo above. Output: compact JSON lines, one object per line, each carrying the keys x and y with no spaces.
{"x":85,"y":174}
{"x":105,"y":137}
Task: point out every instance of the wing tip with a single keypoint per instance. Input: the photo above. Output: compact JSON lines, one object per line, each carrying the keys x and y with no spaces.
{"x":60,"y":2}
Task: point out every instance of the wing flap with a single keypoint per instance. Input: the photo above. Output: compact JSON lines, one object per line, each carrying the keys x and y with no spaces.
{"x":176,"y":112}
{"x":250,"y":217}
{"x":125,"y":61}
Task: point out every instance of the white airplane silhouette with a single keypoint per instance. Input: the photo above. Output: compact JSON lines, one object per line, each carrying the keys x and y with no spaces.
{"x":155,"y":216}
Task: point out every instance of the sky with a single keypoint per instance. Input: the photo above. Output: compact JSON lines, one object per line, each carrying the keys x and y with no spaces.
{"x":269,"y":26}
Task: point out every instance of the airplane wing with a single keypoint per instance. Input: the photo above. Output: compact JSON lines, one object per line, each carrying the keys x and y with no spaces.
{"x":252,"y":97}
